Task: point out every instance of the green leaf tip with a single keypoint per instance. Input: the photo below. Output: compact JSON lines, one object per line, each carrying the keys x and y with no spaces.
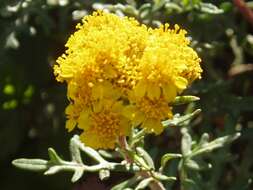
{"x":77,"y":175}
{"x":162,"y":177}
{"x":179,"y":100}
{"x":54,"y":156}
{"x":179,"y":120}
{"x":104,"y":174}
{"x":167,"y":157}
{"x":144,"y":183}
{"x":210,"y":8}
{"x":207,"y":147}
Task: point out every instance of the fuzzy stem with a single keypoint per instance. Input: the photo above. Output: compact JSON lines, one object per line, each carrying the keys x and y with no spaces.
{"x":124,"y":146}
{"x":154,"y":185}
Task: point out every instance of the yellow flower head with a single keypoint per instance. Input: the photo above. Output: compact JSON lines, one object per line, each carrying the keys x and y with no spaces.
{"x":110,"y":60}
{"x":103,"y":125}
{"x":168,"y":64}
{"x":149,"y":113}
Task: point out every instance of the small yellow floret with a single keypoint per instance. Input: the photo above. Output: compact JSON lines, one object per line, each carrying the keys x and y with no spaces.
{"x":101,"y":129}
{"x":149,"y":113}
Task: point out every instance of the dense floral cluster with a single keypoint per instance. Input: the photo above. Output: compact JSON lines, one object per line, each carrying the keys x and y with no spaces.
{"x":121,"y":74}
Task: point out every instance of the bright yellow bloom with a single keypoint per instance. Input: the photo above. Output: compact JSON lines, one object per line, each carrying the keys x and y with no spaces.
{"x":102,"y":127}
{"x":100,"y":63}
{"x":110,"y":60}
{"x":149,"y":114}
{"x":168,"y":65}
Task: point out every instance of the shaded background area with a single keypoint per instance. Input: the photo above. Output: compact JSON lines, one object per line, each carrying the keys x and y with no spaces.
{"x":33,"y":34}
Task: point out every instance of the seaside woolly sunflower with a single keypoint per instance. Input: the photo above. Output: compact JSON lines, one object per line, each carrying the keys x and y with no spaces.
{"x":120,"y":74}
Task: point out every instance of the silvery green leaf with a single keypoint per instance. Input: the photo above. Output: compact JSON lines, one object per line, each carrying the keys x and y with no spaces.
{"x":131,"y":2}
{"x":203,"y":140}
{"x":12,"y":41}
{"x":104,"y":174}
{"x":89,"y":151}
{"x":57,"y":2}
{"x":166,"y":157}
{"x":127,"y":183}
{"x":14,"y":8}
{"x":78,"y":14}
{"x":189,"y":182}
{"x":130,"y":10}
{"x":146,"y":157}
{"x":63,"y":2}
{"x":53,"y":170}
{"x":186,"y":143}
{"x":144,"y":183}
{"x":52,"y":2}
{"x":217,"y":143}
{"x":184,"y":100}
{"x":162,"y":177}
{"x":141,"y":161}
{"x":210,"y":8}
{"x":75,"y":152}
{"x":192,"y":164}
{"x":98,"y":6}
{"x":156,"y":23}
{"x":144,"y":14}
{"x":158,"y":4}
{"x":109,"y":155}
{"x":144,"y":10}
{"x":54,"y":156}
{"x":179,"y":120}
{"x":145,"y":6}
{"x":31,"y":164}
{"x":170,"y":6}
{"x":77,"y":175}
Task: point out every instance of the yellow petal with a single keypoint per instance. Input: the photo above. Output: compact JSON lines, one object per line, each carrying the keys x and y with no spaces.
{"x":158,"y":127}
{"x":109,"y":91}
{"x":89,"y":139}
{"x":110,"y":72}
{"x":139,"y":117}
{"x":181,"y":83}
{"x":148,"y":125}
{"x":117,"y":107}
{"x":170,"y":113}
{"x":97,"y":106}
{"x":152,"y":126}
{"x":125,"y":127}
{"x":72,"y":89}
{"x":97,"y":91}
{"x":83,"y":120}
{"x":69,"y":109}
{"x":169,"y":92}
{"x":129,"y":112}
{"x":140,"y":89}
{"x":94,"y":141}
{"x":70,"y":125}
{"x":153,"y":91}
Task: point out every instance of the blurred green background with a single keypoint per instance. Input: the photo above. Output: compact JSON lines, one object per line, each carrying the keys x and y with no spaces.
{"x":33,"y":34}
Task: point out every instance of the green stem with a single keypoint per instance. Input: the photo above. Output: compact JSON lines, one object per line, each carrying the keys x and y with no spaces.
{"x":154,"y":185}
{"x":182,"y":174}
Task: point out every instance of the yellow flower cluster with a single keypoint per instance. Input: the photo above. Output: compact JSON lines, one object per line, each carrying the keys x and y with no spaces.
{"x":121,"y":74}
